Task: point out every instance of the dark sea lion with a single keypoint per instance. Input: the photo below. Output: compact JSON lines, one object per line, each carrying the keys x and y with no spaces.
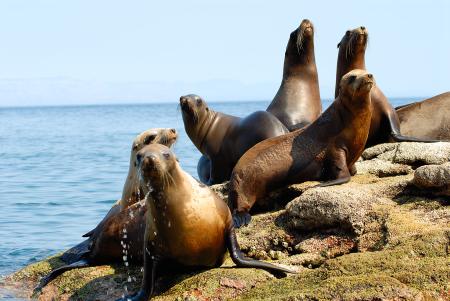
{"x":187,"y":223}
{"x":385,"y":125}
{"x":326,"y":150}
{"x":203,"y":169}
{"x":427,"y":119}
{"x":105,"y":241}
{"x":223,"y":138}
{"x":297,"y":102}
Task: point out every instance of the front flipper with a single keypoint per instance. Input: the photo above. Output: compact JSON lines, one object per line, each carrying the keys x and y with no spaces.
{"x":337,"y":170}
{"x":148,"y":281}
{"x":241,"y":261}
{"x":56,"y":272}
{"x":241,"y":219}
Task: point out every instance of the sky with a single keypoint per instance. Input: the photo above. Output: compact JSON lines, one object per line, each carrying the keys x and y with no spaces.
{"x":109,"y":51}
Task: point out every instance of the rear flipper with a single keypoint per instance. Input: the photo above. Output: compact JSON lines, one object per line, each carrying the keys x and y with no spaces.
{"x":78,"y":252}
{"x":400,"y":138}
{"x":56,"y":272}
{"x":241,"y":261}
{"x":241,"y":219}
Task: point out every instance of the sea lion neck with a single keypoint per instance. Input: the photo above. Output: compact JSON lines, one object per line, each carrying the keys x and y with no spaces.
{"x":203,"y":130}
{"x":346,"y":64}
{"x":304,"y":61}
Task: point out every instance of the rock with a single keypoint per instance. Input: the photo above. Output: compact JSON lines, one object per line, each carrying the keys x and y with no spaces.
{"x":344,"y":206}
{"x":432,"y":176}
{"x":410,"y":153}
{"x":436,"y":177}
{"x":381,"y":168}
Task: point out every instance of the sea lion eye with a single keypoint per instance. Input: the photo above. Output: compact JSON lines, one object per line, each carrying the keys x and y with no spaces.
{"x":347,"y":33}
{"x":352,"y":78}
{"x":166,"y":155}
{"x":149,"y":139}
{"x":199,"y":101}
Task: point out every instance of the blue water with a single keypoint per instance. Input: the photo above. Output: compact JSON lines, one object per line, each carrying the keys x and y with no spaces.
{"x":61,"y":169}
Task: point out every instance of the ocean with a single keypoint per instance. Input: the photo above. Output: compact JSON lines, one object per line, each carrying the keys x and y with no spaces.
{"x":61,"y":169}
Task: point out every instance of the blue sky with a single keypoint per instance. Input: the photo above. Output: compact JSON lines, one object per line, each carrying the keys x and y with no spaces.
{"x":87,"y":51}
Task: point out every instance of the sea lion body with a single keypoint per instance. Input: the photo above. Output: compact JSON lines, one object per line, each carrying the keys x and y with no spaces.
{"x":223,"y":138}
{"x":297,"y":102}
{"x":427,"y":119}
{"x":187,"y":223}
{"x":385,"y":124}
{"x":104,"y":242}
{"x":326,"y":150}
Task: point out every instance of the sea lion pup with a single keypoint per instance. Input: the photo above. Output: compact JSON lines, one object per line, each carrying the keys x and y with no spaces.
{"x":427,"y":119}
{"x":187,"y":223}
{"x":297,"y":102}
{"x":326,"y":150}
{"x":385,"y":125}
{"x":104,"y":243}
{"x":223,"y":138}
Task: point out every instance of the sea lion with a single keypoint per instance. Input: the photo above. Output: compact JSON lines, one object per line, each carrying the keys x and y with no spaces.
{"x":326,"y":150}
{"x":385,"y":125}
{"x":427,"y":119}
{"x":187,"y":223}
{"x":131,"y":192}
{"x":105,"y":241}
{"x":297,"y":102}
{"x":223,"y":138}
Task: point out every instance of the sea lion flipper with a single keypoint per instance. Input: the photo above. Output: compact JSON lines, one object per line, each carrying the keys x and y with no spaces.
{"x":56,"y":272}
{"x":337,"y":181}
{"x":241,"y":261}
{"x":148,"y":281}
{"x":77,"y":252}
{"x":241,"y":219}
{"x":398,"y":137}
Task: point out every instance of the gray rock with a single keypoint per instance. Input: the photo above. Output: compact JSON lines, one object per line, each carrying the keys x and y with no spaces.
{"x":433,"y":176}
{"x":346,"y":207}
{"x":381,"y":168}
{"x":411,"y":153}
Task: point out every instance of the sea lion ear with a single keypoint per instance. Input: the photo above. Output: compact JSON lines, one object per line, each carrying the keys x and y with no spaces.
{"x":339,"y":45}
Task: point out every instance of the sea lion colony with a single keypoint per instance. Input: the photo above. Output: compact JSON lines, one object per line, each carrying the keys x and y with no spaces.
{"x":181,"y":220}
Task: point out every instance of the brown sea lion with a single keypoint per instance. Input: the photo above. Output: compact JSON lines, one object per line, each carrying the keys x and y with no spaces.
{"x":427,"y":119}
{"x":297,"y":102}
{"x":326,"y":150}
{"x":105,"y":243}
{"x":385,"y":125}
{"x":187,"y":223}
{"x":223,"y":138}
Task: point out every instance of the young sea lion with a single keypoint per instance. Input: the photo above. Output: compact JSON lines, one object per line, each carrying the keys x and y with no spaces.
{"x":104,"y":241}
{"x":385,"y":125}
{"x":297,"y":102}
{"x":326,"y":150}
{"x":223,"y":138}
{"x":187,"y":223}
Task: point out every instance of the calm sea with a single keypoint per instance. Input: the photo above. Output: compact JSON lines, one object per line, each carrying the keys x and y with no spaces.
{"x":61,"y":169}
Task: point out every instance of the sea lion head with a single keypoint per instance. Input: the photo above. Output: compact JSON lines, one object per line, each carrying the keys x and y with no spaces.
{"x":197,"y":117}
{"x":156,"y":164}
{"x":354,"y":42}
{"x":356,"y":84}
{"x":301,"y":41}
{"x":163,"y":136}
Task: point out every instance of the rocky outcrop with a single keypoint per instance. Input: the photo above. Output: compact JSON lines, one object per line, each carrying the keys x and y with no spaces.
{"x":382,"y":236}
